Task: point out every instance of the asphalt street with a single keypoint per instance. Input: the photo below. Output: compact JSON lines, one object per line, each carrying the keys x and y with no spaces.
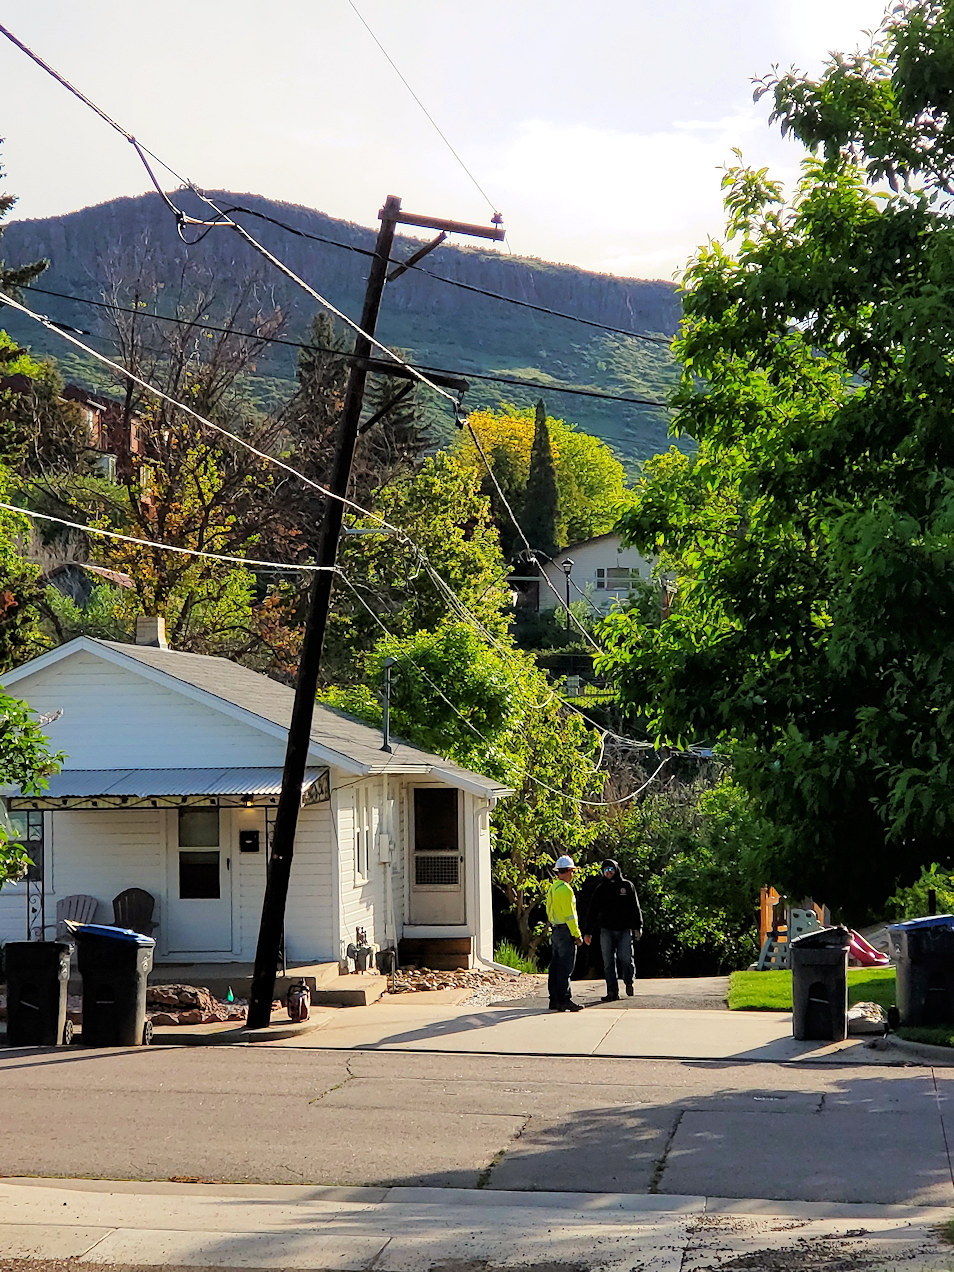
{"x":280,"y":1115}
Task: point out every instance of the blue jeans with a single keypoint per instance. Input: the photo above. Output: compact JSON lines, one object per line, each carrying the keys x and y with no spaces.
{"x":562,"y":962}
{"x":617,"y":949}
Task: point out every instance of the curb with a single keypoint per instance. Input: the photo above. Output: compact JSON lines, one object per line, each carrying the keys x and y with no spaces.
{"x":231,"y":1037}
{"x":922,"y":1050}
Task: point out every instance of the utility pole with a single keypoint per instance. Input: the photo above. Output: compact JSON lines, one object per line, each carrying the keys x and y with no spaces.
{"x":306,"y":687}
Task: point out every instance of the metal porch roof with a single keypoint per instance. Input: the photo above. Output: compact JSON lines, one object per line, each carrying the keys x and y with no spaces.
{"x":139,"y":783}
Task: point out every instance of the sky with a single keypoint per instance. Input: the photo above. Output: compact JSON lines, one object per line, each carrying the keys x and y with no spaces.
{"x":599,"y":131}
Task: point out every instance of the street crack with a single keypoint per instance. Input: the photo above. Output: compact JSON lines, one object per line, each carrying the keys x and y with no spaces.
{"x":660,"y":1167}
{"x":483,"y":1179}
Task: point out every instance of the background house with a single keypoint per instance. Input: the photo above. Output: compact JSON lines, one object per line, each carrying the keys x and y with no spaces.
{"x":170,"y":783}
{"x":601,"y":569}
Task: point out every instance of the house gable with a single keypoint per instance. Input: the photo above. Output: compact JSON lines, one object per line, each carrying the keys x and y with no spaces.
{"x":113,"y":717}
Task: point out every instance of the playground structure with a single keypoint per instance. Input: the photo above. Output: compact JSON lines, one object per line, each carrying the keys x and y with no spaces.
{"x":780,"y":923}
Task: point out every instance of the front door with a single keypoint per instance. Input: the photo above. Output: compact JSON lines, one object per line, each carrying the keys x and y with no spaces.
{"x":199,"y":913}
{"x":437,"y":859}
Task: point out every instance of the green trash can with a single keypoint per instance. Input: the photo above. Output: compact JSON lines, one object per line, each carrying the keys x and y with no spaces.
{"x":923,"y":952}
{"x":820,"y":984}
{"x":37,"y":974}
{"x":114,"y":964}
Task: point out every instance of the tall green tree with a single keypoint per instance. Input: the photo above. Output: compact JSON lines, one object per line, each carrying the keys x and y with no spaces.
{"x":813,"y":530}
{"x":589,"y":478}
{"x":438,"y":541}
{"x":542,"y":522}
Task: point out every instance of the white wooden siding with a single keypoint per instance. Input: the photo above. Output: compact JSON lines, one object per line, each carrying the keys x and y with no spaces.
{"x":309,"y":930}
{"x":362,"y":898}
{"x":138,"y":722}
{"x":248,"y":884}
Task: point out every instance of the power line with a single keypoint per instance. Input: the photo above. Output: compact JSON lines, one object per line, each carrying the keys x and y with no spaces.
{"x":446,"y":590}
{"x":553,"y":790}
{"x":223,"y":219}
{"x":430,"y":117}
{"x":188,"y":410}
{"x":453,"y":282}
{"x":166,"y":547}
{"x":542,"y":386}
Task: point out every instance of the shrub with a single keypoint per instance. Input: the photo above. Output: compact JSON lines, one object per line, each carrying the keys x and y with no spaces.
{"x":508,"y":954}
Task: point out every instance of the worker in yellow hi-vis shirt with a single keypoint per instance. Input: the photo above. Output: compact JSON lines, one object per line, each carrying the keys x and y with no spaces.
{"x":564,"y":936}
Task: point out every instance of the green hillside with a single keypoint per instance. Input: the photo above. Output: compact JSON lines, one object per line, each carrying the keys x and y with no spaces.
{"x":109,"y":248}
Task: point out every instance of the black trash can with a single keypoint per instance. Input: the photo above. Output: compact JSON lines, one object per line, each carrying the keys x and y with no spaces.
{"x":37,"y":974}
{"x":114,"y":964}
{"x":923,"y":951}
{"x":820,"y":984}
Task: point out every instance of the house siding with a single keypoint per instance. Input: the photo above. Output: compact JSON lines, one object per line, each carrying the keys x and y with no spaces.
{"x":363,"y":895}
{"x":181,"y":732}
{"x":605,"y":552}
{"x":309,"y":930}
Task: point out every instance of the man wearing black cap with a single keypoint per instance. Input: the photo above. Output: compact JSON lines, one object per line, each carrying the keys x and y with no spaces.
{"x":614,"y":915}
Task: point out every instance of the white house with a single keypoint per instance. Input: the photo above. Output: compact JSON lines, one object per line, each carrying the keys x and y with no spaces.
{"x":600,"y":569}
{"x":170,"y":783}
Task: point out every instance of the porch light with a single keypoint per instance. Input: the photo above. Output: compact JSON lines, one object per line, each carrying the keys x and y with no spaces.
{"x":248,"y":800}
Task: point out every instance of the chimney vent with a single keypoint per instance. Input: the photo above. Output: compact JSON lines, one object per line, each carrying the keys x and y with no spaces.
{"x":151,"y":630}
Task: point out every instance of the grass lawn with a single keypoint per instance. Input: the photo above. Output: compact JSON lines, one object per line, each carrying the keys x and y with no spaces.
{"x":772,"y":991}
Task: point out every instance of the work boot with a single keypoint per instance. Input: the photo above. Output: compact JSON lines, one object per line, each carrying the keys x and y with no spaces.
{"x":629,"y":989}
{"x":610,"y":998}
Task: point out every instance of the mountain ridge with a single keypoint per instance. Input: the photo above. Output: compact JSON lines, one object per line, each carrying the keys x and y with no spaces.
{"x":434,"y":321}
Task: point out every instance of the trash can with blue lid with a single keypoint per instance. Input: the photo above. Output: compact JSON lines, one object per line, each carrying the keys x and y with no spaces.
{"x":37,"y":976}
{"x":923,"y":952}
{"x":820,"y":984}
{"x":114,"y":964}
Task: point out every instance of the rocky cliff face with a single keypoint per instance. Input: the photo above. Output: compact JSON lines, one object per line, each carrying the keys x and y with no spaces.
{"x":439,"y":324}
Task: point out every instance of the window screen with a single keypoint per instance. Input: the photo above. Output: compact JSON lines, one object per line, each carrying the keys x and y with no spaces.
{"x":199,"y":876}
{"x":435,"y":819}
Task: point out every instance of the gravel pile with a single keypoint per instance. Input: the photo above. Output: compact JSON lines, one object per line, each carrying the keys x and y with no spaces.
{"x":487,"y":986}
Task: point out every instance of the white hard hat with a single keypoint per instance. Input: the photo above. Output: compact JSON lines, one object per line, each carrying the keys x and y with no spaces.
{"x":564,"y":863}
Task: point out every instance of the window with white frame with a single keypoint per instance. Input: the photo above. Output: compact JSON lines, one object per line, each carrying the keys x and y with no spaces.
{"x":363,"y":832}
{"x":617,"y":578}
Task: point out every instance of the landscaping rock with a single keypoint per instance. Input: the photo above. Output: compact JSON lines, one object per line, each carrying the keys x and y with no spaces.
{"x":414,"y":980}
{"x":175,"y":997}
{"x":867,"y":1018}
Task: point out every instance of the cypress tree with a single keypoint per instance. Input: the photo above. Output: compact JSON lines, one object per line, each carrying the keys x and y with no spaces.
{"x":542,"y":523}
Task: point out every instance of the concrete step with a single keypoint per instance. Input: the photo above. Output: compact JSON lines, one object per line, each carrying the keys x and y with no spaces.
{"x":358,"y":990}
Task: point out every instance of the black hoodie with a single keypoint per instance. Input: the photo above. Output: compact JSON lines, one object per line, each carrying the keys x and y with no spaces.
{"x":614,"y":905}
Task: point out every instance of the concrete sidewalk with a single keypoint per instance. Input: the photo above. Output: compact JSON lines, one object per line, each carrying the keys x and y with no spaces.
{"x":608,"y":1030}
{"x":411,"y":1229}
{"x":440,"y":1022}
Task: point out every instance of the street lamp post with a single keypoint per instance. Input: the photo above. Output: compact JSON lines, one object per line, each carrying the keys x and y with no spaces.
{"x":566,"y":565}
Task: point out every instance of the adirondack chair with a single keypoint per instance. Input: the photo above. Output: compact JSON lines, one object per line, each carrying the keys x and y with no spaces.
{"x":133,"y":909}
{"x":77,"y":906}
{"x":80,"y":908}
